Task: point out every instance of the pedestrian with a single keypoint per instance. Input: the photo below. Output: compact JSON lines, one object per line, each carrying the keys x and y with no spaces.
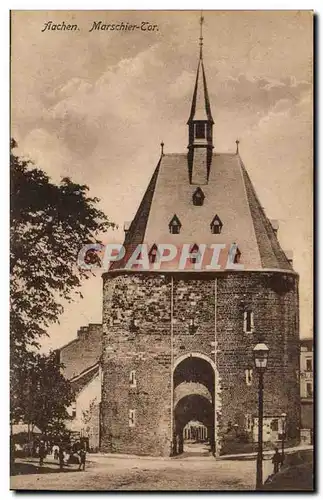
{"x":42,"y":453}
{"x":55,"y":451}
{"x":82,"y":454}
{"x":276,"y":460}
{"x":61,"y":457}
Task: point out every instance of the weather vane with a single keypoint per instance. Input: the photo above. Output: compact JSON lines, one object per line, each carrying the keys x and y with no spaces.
{"x":201,"y":34}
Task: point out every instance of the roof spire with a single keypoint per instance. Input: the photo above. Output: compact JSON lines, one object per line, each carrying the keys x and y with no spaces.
{"x":200,"y":109}
{"x":201,"y":35}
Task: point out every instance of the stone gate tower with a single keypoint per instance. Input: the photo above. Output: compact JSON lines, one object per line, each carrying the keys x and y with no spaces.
{"x":177,"y":343}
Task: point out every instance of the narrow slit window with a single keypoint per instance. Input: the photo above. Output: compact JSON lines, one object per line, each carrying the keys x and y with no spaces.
{"x":248,"y":422}
{"x":248,"y":323}
{"x":132,"y":418}
{"x":132,"y":379}
{"x":249,"y":376}
{"x":73,"y":415}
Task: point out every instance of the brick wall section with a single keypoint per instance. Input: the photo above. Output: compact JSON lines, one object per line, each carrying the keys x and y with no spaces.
{"x":147,"y":351}
{"x":147,"y":298}
{"x":83,"y":352}
{"x":276,"y":324}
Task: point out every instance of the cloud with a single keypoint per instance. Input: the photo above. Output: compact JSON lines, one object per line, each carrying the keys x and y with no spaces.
{"x":252,"y":94}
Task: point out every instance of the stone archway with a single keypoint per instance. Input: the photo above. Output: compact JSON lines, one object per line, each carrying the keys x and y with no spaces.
{"x":193,"y":397}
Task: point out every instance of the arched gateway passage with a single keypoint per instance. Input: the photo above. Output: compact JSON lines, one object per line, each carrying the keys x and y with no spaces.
{"x":193,"y":383}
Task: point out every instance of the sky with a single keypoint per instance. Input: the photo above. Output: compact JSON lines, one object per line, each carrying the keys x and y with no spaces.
{"x":96,"y":105}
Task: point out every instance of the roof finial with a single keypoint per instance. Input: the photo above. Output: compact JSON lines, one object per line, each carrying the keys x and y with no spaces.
{"x":162,"y":147}
{"x":237,"y":143}
{"x":201,"y":34}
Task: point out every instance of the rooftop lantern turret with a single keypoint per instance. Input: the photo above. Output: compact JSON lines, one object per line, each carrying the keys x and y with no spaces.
{"x":200,"y":125}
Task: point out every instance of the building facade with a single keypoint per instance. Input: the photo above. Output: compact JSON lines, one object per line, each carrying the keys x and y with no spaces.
{"x":307,"y":389}
{"x":81,"y":366}
{"x":178,"y":340}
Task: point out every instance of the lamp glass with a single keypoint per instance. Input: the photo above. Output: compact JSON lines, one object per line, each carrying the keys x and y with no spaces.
{"x":260,"y":353}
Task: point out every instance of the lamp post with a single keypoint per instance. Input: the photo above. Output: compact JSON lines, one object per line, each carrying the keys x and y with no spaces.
{"x":283,"y":417}
{"x":260,"y":354}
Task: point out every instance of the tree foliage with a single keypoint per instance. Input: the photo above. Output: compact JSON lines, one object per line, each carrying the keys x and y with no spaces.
{"x":42,"y":393}
{"x":49,"y":225}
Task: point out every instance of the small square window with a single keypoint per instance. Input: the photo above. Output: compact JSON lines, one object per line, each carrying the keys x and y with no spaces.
{"x":309,"y":365}
{"x":274,"y":425}
{"x":309,"y":390}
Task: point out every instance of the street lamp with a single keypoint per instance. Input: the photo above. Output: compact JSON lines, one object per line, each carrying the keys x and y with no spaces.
{"x":283,"y":417}
{"x":260,"y":355}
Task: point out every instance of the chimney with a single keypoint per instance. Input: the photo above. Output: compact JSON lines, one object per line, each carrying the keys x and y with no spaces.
{"x":275,"y":225}
{"x":289,"y":255}
{"x":126,"y":226}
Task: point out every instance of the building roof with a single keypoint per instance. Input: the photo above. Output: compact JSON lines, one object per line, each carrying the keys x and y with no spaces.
{"x":83,"y":352}
{"x":200,"y":109}
{"x":85,"y":377}
{"x":229,"y":194}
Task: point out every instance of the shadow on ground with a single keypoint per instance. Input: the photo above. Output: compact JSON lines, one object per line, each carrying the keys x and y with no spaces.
{"x":297,"y":474}
{"x":20,"y":468}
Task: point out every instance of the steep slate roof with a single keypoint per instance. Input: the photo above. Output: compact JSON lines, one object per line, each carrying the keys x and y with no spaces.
{"x":229,"y":193}
{"x":85,"y":377}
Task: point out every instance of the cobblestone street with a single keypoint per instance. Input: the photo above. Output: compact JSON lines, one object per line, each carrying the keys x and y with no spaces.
{"x":129,"y":473}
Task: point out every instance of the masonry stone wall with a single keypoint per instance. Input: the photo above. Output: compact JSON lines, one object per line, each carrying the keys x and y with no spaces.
{"x":146,"y":329}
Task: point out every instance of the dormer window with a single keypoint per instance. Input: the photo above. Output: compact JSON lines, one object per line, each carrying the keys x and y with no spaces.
{"x":175,"y":225}
{"x":198,"y":197}
{"x":200,"y":130}
{"x":237,"y":256}
{"x":195,"y":255}
{"x":153,"y":254}
{"x":216,"y":225}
